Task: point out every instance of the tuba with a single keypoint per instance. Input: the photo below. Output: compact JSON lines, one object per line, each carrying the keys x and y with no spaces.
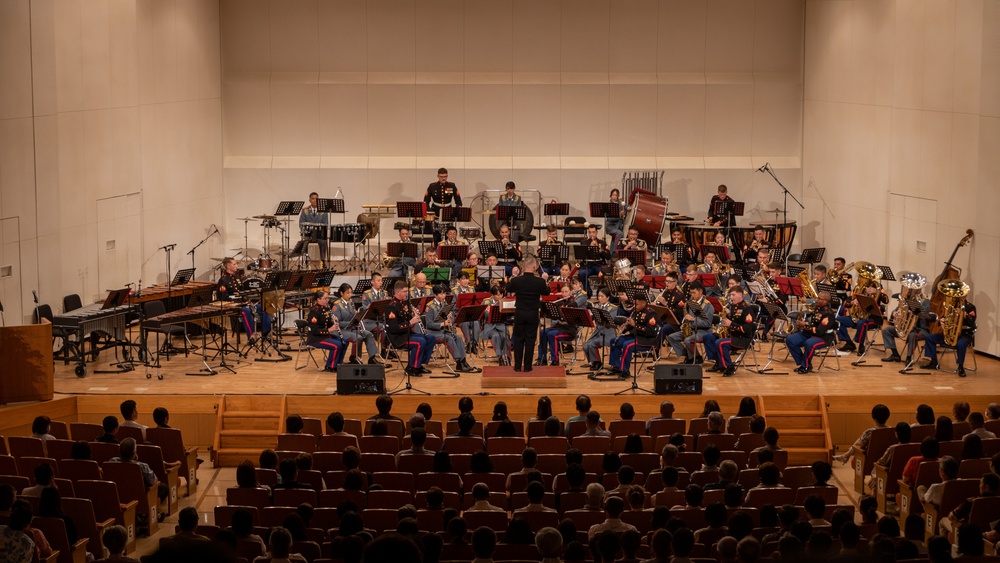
{"x":953,"y":308}
{"x":868,"y":275}
{"x":906,"y":319}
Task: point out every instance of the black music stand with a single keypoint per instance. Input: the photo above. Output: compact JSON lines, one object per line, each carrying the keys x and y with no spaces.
{"x":887,"y":274}
{"x":721,"y":252}
{"x":271,"y":283}
{"x":794,"y":271}
{"x":514,"y":215}
{"x":552,"y":254}
{"x":288,"y":209}
{"x":729,"y":208}
{"x":456,"y":214}
{"x":555,"y":209}
{"x":323,"y":278}
{"x":634,"y":256}
{"x":605,"y":209}
{"x":829,"y":288}
{"x":402,"y":250}
{"x":453,"y":251}
{"x":634,"y":368}
{"x":778,"y":315}
{"x":494,"y":247}
{"x":680,"y":252}
{"x":587,"y":253}
{"x":362,"y":286}
{"x":183,"y":276}
{"x":411,"y":210}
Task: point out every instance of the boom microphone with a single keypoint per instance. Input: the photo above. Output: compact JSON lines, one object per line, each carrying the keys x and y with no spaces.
{"x":763,"y":168}
{"x":35,"y":295}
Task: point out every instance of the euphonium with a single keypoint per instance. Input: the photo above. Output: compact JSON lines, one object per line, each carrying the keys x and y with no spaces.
{"x":868,"y":275}
{"x":808,"y":289}
{"x":953,"y":309}
{"x":906,"y":319}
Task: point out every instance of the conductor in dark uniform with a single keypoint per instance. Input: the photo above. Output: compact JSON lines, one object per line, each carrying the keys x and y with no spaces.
{"x":528,"y":289}
{"x":441,"y":194}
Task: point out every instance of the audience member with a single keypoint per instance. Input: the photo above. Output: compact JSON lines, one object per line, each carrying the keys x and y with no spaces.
{"x":130,"y":417}
{"x":40,"y":428}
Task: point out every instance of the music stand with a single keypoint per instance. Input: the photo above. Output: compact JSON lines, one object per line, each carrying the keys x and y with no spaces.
{"x":679,"y":250}
{"x":829,"y":288}
{"x":456,"y":214}
{"x":664,"y":314}
{"x":453,"y":251}
{"x":287,"y":209}
{"x":555,"y":209}
{"x":587,"y":253}
{"x":886,"y":273}
{"x":552,"y":310}
{"x":777,"y":314}
{"x":794,"y":271}
{"x":707,"y":280}
{"x":402,"y":250}
{"x":323,"y":278}
{"x":636,"y":256}
{"x":183,"y":276}
{"x":790,"y":286}
{"x":471,"y":299}
{"x":605,"y":209}
{"x":551,"y":254}
{"x":494,"y":247}
{"x":513,"y":215}
{"x":729,"y":208}
{"x":437,"y":274}
{"x":362,"y":286}
{"x":741,"y":271}
{"x":812,"y":256}
{"x":490,"y":273}
{"x":329,"y":205}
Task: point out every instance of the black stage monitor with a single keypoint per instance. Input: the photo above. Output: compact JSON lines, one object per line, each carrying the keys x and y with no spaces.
{"x":353,"y":379}
{"x":677,"y":379}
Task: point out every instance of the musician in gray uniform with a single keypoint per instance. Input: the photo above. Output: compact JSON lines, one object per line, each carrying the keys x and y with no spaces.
{"x":376,"y":293}
{"x":314,"y":226}
{"x":444,"y":331}
{"x":698,"y":315}
{"x":496,"y":333}
{"x":601,"y":336}
{"x":470,"y":329}
{"x":344,"y":310}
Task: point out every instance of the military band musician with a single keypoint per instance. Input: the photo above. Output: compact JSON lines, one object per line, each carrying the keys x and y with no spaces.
{"x":740,"y":322}
{"x":324,"y":331}
{"x":443,"y":330}
{"x":637,"y":334}
{"x":404,"y":332}
{"x":815,"y":331}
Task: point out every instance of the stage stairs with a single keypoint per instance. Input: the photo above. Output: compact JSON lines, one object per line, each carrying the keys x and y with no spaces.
{"x":803,"y":425}
{"x":245,"y":426}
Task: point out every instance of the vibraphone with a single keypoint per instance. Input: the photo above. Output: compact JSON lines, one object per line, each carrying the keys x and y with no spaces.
{"x":91,"y":320}
{"x":178,"y":296}
{"x":200,"y":314}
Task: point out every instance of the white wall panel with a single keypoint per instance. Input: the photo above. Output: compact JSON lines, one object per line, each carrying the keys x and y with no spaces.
{"x":537,"y":28}
{"x":681,"y":36}
{"x":15,"y":59}
{"x":343,"y":44}
{"x":295,"y":128}
{"x":294,"y":35}
{"x":391,"y":36}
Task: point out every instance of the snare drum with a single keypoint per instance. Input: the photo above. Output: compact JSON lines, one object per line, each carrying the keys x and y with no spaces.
{"x":648,"y":215}
{"x":265,"y":264}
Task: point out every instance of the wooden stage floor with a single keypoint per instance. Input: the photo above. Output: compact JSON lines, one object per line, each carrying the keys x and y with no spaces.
{"x":264,"y":378}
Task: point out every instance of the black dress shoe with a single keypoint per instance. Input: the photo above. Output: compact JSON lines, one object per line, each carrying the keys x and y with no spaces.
{"x":517,"y":368}
{"x":848,"y":347}
{"x":861,"y":350}
{"x":554,"y":363}
{"x":541,"y":363}
{"x":717,"y":367}
{"x":354,"y":360}
{"x":332,"y":370}
{"x":933,"y":364}
{"x":424,"y":370}
{"x":961,"y":371}
{"x":390,"y":355}
{"x":893,"y":357}
{"x":411,"y":372}
{"x":698,"y":359}
{"x":527,"y":368}
{"x":596,"y":366}
{"x":729,"y":371}
{"x":463,"y":367}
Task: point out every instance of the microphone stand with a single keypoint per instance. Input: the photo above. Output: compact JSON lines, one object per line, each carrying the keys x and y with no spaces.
{"x":767,"y":168}
{"x":203,"y":241}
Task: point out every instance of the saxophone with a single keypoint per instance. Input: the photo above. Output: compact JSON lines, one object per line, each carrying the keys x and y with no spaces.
{"x":687,"y":327}
{"x":722,"y":331}
{"x":952,"y":309}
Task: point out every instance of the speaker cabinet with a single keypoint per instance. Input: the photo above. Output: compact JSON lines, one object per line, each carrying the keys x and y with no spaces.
{"x":366,"y":379}
{"x":677,"y":379}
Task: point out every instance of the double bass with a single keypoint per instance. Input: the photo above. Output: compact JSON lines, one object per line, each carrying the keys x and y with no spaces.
{"x":950,"y":272}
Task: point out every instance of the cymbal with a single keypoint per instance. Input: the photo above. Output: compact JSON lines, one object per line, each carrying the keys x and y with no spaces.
{"x":775,"y":210}
{"x":264,"y":217}
{"x":247,"y":219}
{"x":216,"y":259}
{"x":487,"y":212}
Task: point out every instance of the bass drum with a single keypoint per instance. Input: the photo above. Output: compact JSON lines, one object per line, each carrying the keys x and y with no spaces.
{"x":648,"y":214}
{"x":371,"y":220}
{"x":525,"y":227}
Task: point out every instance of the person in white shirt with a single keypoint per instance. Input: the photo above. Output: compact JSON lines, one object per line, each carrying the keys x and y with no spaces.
{"x":481,"y":496}
{"x":278,"y":549}
{"x":948,"y":470}
{"x":536,"y":493}
{"x":978,"y":421}
{"x":613,"y":508}
{"x":130,"y":416}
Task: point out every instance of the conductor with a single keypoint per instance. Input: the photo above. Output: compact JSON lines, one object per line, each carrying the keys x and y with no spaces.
{"x":528,"y":289}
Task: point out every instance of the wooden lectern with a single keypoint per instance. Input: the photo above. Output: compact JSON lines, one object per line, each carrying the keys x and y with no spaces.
{"x":26,"y":363}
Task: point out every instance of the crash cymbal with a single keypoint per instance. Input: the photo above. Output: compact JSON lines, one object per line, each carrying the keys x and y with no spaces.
{"x":216,"y":259}
{"x":775,"y":210}
{"x":246,"y":219}
{"x":264,"y":217}
{"x":487,"y":212}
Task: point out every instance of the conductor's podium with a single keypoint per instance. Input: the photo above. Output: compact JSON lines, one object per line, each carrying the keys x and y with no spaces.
{"x":504,"y":377}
